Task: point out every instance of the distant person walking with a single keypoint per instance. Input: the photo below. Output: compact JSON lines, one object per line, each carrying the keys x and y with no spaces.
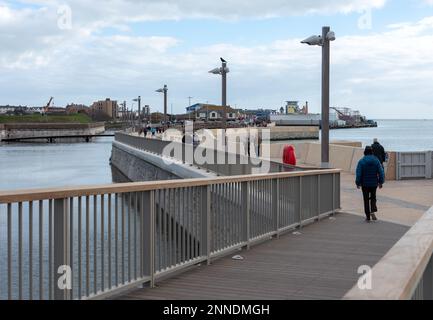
{"x":379,"y":151}
{"x":369,"y":176}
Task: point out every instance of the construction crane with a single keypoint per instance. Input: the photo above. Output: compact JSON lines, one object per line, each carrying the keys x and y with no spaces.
{"x":48,"y":105}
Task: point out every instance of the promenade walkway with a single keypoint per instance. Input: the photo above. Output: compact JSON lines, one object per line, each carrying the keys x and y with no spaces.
{"x":402,"y":202}
{"x":319,"y":263}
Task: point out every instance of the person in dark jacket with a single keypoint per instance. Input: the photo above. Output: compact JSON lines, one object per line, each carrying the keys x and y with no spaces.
{"x":369,"y":176}
{"x":379,"y":151}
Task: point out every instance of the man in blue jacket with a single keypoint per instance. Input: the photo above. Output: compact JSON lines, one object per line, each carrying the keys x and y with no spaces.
{"x":369,"y":176}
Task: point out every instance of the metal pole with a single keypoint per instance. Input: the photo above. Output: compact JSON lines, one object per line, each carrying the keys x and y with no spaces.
{"x":325,"y":97}
{"x":224,"y":93}
{"x":139,"y":109}
{"x":165,"y":104}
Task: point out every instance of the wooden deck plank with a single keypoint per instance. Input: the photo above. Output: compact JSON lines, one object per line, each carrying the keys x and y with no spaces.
{"x":320,"y":263}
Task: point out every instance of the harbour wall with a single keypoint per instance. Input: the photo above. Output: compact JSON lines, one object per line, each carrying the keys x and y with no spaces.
{"x":27,"y":130}
{"x":139,"y":165}
{"x":343,"y":155}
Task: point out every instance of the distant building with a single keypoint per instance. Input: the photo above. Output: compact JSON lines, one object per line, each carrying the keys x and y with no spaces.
{"x":7,"y":109}
{"x":214,"y":112}
{"x":105,"y":107}
{"x":77,"y":108}
{"x":194,"y":107}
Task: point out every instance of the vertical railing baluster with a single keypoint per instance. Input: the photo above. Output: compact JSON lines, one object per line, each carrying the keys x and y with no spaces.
{"x":61,"y":249}
{"x":79,"y":246}
{"x":20,"y":251}
{"x":169,"y":217}
{"x":160,"y":235}
{"x":31,"y":250}
{"x":300,"y":202}
{"x":102,"y":242}
{"x":189,"y":214}
{"x":275,"y":204}
{"x":109,"y":241}
{"x":87,"y":246}
{"x":175,"y":233}
{"x":116,"y":242}
{"x":41,"y":250}
{"x":71,"y":244}
{"x":205,"y":241}
{"x":129,"y":235}
{"x":182,"y":199}
{"x":122,"y":238}
{"x":10,"y":251}
{"x":135,"y":233}
{"x":95,"y":244}
{"x":148,"y":231}
{"x":246,"y":212}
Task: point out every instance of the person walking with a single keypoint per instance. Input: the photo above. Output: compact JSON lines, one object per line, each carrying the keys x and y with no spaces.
{"x":379,"y":151}
{"x":369,"y":176}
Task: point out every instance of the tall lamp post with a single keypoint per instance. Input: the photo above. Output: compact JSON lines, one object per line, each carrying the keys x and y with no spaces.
{"x":164,"y":90}
{"x":223,"y":72}
{"x":139,"y":106}
{"x":325,"y":42}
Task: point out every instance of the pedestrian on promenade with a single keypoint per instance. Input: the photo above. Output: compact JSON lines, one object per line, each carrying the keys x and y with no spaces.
{"x":379,"y":151}
{"x":289,"y":155}
{"x":369,"y":176}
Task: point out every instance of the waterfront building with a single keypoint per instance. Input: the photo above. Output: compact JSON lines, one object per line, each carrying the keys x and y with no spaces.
{"x":214,"y":112}
{"x":106,"y":107}
{"x":77,"y":108}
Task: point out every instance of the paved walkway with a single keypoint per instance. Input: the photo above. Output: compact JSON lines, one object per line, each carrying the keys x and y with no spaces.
{"x":399,"y":201}
{"x":320,"y":263}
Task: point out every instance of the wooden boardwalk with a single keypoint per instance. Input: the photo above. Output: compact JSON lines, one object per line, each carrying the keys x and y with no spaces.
{"x":320,"y":263}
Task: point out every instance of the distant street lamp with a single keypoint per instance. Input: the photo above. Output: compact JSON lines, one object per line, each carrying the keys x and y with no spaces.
{"x":325,"y":42}
{"x":164,"y":90}
{"x":139,"y":106}
{"x":223,"y":72}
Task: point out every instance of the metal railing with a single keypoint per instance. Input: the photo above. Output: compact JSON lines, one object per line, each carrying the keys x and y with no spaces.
{"x":414,"y":165}
{"x":406,"y":271}
{"x":229,"y":164}
{"x":92,"y":242}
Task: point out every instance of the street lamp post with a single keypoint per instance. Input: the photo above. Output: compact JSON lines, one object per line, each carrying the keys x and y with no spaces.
{"x":164,"y":90}
{"x":223,"y":72}
{"x":325,"y":42}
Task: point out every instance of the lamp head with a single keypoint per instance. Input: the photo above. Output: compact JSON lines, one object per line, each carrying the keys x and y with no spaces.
{"x":330,"y":36}
{"x":215,"y":71}
{"x":313,"y":41}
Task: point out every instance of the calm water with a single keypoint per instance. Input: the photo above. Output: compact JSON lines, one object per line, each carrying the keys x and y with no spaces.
{"x":50,"y":165}
{"x":394,"y":135}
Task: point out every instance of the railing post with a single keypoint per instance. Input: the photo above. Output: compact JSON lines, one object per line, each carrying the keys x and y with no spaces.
{"x":62,"y":276}
{"x":275,"y":204}
{"x":318,"y":197}
{"x":428,"y":281}
{"x":333,"y":194}
{"x":206,"y":233}
{"x":246,"y":221}
{"x":300,"y":202}
{"x":148,"y":232}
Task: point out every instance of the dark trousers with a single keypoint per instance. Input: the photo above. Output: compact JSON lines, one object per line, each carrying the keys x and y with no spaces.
{"x":369,"y":200}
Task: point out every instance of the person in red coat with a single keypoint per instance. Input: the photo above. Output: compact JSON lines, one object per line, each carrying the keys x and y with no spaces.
{"x":289,"y":156}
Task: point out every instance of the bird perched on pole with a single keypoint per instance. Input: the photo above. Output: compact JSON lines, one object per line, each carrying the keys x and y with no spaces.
{"x":222,"y":60}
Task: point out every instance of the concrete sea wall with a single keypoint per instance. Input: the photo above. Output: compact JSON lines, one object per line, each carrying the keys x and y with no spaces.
{"x":343,"y":155}
{"x":26,"y":130}
{"x":138,"y":165}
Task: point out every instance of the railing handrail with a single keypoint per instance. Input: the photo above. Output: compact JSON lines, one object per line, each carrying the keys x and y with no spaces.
{"x":75,"y":191}
{"x":398,"y":274}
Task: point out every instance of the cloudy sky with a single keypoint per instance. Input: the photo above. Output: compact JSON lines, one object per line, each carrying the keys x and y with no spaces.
{"x":81,"y":51}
